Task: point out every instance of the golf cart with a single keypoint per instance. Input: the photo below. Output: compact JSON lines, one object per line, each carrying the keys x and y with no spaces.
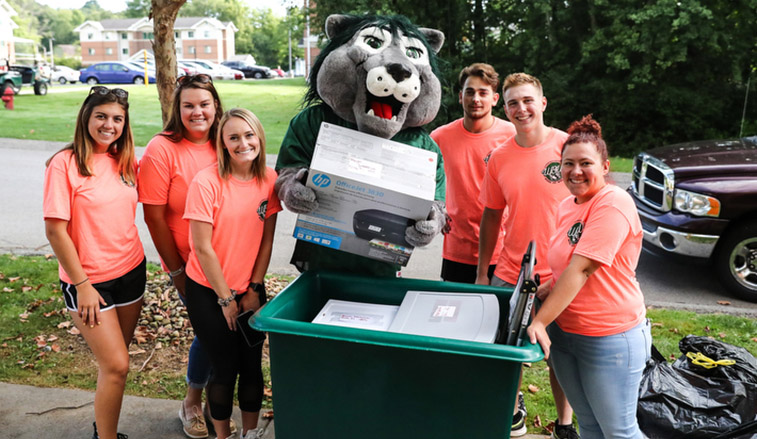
{"x":30,"y":76}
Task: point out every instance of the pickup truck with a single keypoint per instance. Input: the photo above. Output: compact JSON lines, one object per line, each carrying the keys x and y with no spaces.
{"x":698,"y":200}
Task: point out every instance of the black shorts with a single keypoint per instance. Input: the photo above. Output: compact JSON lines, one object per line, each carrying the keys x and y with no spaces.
{"x":121,"y":291}
{"x":458,"y":272}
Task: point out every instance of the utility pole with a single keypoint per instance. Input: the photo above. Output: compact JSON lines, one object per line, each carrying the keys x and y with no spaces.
{"x":52,"y":55}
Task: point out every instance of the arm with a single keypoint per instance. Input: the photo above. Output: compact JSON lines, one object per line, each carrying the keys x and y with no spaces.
{"x":88,"y":298}
{"x":202,"y":233}
{"x":564,"y":291}
{"x":491,"y":220}
{"x":251,"y":299}
{"x":155,"y":218}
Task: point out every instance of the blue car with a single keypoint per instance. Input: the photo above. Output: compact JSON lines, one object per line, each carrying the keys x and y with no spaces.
{"x":113,"y":72}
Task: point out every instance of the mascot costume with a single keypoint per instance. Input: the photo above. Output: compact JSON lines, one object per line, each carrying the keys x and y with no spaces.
{"x":376,"y":75}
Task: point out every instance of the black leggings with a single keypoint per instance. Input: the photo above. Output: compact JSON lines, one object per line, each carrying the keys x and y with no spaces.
{"x":229,"y":354}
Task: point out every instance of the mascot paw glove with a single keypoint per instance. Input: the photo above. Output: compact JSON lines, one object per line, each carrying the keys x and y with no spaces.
{"x":423,"y":232}
{"x":296,"y":196}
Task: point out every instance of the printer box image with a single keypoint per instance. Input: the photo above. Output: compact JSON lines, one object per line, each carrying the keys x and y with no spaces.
{"x":369,"y":190}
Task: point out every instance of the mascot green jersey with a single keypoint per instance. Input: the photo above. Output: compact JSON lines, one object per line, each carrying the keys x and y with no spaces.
{"x":376,"y":75}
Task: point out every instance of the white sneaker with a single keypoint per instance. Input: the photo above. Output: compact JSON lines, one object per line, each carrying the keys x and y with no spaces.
{"x":255,"y":433}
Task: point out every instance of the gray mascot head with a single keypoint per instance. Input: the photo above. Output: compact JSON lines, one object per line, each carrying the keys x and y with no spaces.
{"x":378,"y":72}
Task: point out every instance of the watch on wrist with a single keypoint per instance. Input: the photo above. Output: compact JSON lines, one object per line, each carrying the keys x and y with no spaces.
{"x":259,"y":288}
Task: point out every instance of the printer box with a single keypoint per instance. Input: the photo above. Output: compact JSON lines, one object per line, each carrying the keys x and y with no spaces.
{"x":369,"y":190}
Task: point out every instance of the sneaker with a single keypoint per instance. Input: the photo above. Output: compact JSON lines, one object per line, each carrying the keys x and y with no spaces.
{"x":564,"y":432}
{"x":97,"y":436}
{"x":519,"y":424}
{"x":193,"y":423}
{"x":522,"y":404}
{"x":255,"y":433}
{"x":209,"y":422}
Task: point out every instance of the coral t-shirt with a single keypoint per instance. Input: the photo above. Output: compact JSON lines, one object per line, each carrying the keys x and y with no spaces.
{"x":100,"y":210}
{"x":237,"y":210}
{"x":165,"y":171}
{"x":605,"y":229}
{"x":465,"y":156}
{"x":528,"y":182}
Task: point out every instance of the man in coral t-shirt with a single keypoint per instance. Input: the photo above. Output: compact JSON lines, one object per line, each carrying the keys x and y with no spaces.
{"x":523,"y":175}
{"x":466,"y":144}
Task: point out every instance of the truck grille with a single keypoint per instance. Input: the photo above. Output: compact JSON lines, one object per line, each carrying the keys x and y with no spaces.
{"x":653,"y":182}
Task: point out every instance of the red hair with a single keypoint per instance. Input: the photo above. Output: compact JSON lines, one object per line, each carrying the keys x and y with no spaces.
{"x":587,"y":130}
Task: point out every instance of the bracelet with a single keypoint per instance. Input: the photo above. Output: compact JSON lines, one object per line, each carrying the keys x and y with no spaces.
{"x":86,"y":279}
{"x":225,"y":302}
{"x":176,"y":272}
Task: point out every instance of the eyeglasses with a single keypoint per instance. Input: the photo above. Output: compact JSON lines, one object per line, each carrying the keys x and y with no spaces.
{"x":200,"y":77}
{"x":117,"y":92}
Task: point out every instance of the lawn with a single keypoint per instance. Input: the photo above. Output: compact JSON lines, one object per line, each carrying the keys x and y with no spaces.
{"x":52,"y":117}
{"x":39,"y":346}
{"x":274,"y":102}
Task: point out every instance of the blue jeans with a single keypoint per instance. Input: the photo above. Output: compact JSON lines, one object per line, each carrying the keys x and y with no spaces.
{"x":198,"y":365}
{"x":601,"y":377}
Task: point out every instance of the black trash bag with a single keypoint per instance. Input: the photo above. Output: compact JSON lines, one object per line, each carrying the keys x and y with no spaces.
{"x":745,"y":368}
{"x":677,"y":403}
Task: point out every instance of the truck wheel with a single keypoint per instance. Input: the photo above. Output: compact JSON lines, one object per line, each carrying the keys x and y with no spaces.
{"x":736,"y":261}
{"x":40,"y":88}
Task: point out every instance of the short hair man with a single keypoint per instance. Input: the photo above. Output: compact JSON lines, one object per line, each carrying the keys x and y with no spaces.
{"x":523,"y":175}
{"x":466,"y":144}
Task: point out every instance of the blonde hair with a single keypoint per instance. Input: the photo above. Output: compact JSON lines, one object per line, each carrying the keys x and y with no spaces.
{"x":224,"y":159}
{"x":83,"y":145}
{"x":516,"y":79}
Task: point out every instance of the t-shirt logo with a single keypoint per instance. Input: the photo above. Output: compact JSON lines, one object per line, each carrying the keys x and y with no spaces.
{"x":488,"y":156}
{"x":551,"y":172}
{"x":574,"y":233}
{"x":261,"y":210}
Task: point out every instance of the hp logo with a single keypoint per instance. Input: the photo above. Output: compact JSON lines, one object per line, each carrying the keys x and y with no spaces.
{"x":321,"y":180}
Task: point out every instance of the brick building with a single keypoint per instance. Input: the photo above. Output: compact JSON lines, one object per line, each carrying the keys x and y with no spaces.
{"x":119,"y":39}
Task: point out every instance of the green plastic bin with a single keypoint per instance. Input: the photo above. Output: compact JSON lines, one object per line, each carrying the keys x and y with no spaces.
{"x":335,"y":382}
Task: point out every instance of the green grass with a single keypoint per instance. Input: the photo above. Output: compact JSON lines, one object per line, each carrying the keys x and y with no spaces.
{"x":53,"y":117}
{"x":31,"y":307}
{"x":621,"y":164}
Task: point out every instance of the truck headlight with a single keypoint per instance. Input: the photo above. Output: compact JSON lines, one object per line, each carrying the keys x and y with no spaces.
{"x":696,"y":204}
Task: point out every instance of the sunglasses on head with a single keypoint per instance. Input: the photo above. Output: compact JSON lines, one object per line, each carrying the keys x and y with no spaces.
{"x":200,"y":77}
{"x":101,"y":90}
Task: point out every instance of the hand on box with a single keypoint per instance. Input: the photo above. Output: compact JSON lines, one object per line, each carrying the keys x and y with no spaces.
{"x":292,"y":191}
{"x":423,"y":232}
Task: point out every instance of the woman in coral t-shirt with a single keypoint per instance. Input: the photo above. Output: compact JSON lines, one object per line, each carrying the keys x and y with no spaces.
{"x":600,"y":340}
{"x":171,"y":160}
{"x":89,"y":204}
{"x":232,"y":211}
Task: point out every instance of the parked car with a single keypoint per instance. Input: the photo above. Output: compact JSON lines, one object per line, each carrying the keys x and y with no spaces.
{"x":151,"y":68}
{"x":63,"y":74}
{"x":112,"y":72}
{"x":699,"y":200}
{"x":216,"y":71}
{"x":31,"y":76}
{"x":249,"y":70}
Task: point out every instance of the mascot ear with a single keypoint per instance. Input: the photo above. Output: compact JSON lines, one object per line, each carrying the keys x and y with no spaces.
{"x":434,"y":37}
{"x":336,"y":23}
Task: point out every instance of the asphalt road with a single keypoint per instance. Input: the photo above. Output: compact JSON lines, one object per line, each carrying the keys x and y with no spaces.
{"x":665,"y":281}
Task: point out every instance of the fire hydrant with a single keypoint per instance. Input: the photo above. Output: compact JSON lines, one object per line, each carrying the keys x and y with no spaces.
{"x":8,"y":98}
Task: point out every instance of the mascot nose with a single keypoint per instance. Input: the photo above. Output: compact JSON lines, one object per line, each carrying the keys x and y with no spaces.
{"x":399,"y":72}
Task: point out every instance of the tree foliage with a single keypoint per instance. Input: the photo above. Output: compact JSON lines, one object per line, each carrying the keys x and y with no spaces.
{"x":652,"y":72}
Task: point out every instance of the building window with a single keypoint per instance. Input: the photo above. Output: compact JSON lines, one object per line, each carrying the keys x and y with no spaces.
{"x":147,"y":35}
{"x":192,"y":50}
{"x":207,"y":34}
{"x":190,"y":34}
{"x":124,"y":51}
{"x":108,"y":51}
{"x":176,"y":35}
{"x":124,"y":36}
{"x":107,"y":36}
{"x":90,"y":36}
{"x":208,"y":49}
{"x":91,"y":51}
{"x":178,"y":51}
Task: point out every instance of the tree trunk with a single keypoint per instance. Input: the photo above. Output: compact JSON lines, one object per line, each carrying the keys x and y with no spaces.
{"x":164,"y":47}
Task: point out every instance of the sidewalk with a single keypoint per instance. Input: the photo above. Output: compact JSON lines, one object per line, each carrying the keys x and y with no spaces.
{"x":28,"y":412}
